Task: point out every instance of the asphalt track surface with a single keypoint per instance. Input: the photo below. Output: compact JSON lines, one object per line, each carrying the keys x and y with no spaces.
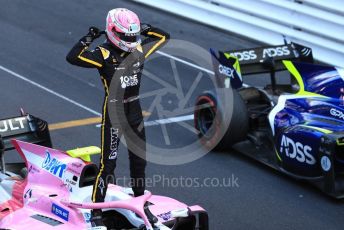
{"x":35,"y":37}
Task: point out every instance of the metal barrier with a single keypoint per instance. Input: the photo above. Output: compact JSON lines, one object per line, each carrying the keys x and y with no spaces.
{"x":317,"y":24}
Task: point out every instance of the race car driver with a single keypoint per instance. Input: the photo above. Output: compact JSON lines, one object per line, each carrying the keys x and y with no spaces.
{"x":120,"y":58}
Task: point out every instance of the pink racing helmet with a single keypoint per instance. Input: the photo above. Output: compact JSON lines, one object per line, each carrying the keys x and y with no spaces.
{"x":123,"y":29}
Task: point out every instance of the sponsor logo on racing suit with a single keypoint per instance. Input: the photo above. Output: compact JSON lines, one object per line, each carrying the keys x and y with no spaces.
{"x":296,"y":150}
{"x":101,"y":186}
{"x":129,"y":81}
{"x":114,"y":143}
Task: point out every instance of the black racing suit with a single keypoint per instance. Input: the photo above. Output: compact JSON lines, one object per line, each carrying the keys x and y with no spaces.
{"x":113,"y":65}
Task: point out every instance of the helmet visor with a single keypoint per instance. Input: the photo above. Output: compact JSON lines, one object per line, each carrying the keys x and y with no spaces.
{"x":128,"y":37}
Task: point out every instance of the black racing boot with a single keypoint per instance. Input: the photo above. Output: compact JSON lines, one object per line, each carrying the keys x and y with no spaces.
{"x":97,"y":218}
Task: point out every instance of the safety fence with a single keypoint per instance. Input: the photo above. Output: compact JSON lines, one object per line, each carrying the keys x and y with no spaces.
{"x":318,"y":24}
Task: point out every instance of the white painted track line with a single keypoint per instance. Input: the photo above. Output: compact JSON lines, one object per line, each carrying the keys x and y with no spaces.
{"x":170,"y":120}
{"x":148,"y":123}
{"x":185,"y":62}
{"x":49,"y":90}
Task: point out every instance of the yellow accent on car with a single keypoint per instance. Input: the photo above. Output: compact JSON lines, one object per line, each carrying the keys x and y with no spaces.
{"x":326,"y":131}
{"x":302,"y":92}
{"x":306,"y":93}
{"x":278,"y":156}
{"x":84,"y":153}
{"x":88,"y":60}
{"x":292,"y":69}
{"x":105,"y":52}
{"x":237,"y":66}
{"x":236,"y":63}
{"x":340,"y":141}
{"x":162,"y":40}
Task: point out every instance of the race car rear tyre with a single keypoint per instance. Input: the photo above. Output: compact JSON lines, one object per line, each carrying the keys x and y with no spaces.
{"x":210,"y":121}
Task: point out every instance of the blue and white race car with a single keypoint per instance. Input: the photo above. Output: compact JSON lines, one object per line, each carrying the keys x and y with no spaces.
{"x":294,"y":126}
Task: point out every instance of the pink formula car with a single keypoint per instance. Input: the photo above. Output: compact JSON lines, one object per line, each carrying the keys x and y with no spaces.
{"x":52,"y":190}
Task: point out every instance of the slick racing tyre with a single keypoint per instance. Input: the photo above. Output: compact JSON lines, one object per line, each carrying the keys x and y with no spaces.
{"x":210,"y":120}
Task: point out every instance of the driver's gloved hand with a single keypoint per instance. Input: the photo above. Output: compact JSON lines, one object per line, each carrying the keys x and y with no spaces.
{"x":93,"y":33}
{"x":145,"y":28}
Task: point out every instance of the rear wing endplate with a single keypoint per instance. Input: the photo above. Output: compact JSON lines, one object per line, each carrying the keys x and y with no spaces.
{"x":24,"y":128}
